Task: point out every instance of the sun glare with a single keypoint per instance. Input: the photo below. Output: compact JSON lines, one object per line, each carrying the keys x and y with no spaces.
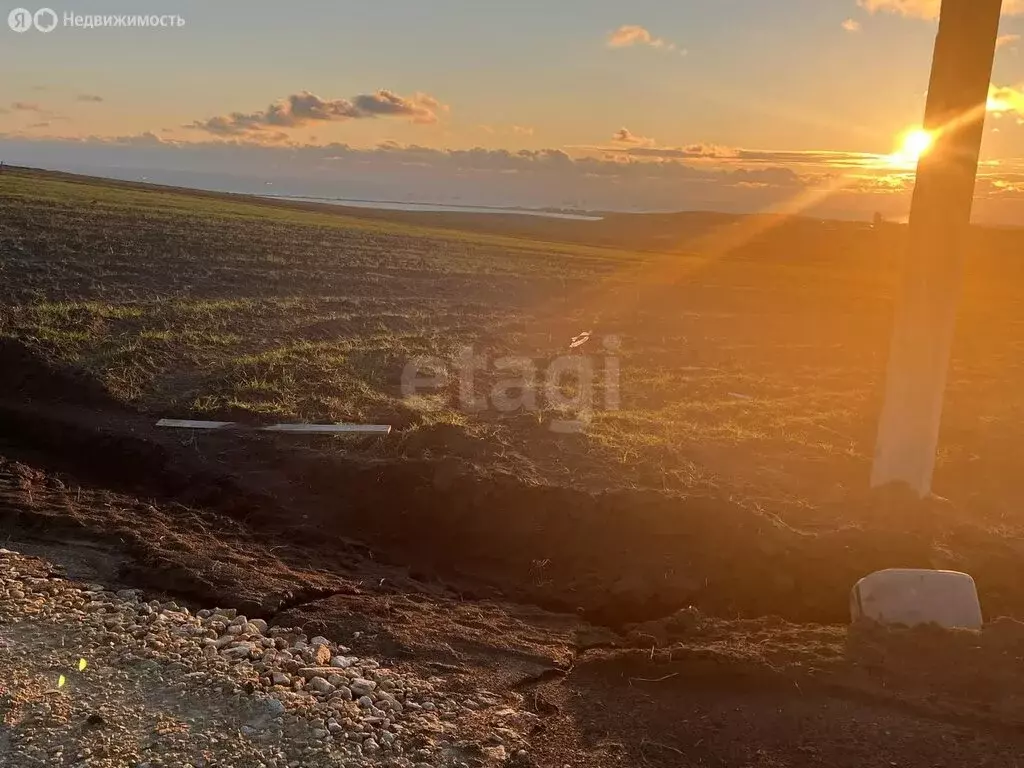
{"x":913,"y":144}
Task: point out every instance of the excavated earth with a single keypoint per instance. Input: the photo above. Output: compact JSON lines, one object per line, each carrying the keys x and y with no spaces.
{"x":642,"y":629}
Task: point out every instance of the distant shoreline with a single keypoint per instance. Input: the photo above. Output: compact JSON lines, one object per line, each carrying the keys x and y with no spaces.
{"x":398,"y":205}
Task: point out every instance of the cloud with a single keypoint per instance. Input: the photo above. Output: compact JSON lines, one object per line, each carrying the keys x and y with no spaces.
{"x":631,"y":34}
{"x":924,"y":9}
{"x":522,"y":130}
{"x":303,"y":108}
{"x":689,"y":152}
{"x":36,"y":109}
{"x":829,"y":158}
{"x":421,"y":107}
{"x":89,"y":97}
{"x":921,"y":9}
{"x":1004,"y":186}
{"x":704,"y":177}
{"x":1005,"y":100}
{"x":1006,"y":40}
{"x":44,"y":124}
{"x":147,"y":139}
{"x":626,"y":136}
{"x":494,"y":176}
{"x":851,"y":25}
{"x":724,"y":156}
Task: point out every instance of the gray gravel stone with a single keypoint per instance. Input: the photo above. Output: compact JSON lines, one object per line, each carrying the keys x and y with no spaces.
{"x":165,"y":683}
{"x":274,"y":708}
{"x":320,"y":685}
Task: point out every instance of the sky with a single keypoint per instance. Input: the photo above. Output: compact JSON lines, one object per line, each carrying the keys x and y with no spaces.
{"x":648,"y":105}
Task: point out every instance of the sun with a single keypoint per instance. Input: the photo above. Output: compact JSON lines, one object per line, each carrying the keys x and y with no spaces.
{"x":916,"y":143}
{"x":913,"y":145}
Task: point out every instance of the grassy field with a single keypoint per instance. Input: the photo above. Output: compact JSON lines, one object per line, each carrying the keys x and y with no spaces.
{"x":750,"y":351}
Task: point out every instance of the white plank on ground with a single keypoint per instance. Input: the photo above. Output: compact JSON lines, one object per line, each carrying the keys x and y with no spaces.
{"x":325,"y":429}
{"x":329,"y":428}
{"x":189,"y":424}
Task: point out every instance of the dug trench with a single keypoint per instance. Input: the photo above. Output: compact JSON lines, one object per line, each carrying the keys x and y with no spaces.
{"x":613,"y":558}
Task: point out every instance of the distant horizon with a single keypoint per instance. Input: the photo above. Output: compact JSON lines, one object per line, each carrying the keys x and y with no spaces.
{"x":254,"y":187}
{"x":731,"y":106}
{"x":656,"y":108}
{"x":573,"y":212}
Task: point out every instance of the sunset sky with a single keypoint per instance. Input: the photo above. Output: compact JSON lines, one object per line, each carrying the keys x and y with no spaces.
{"x":730,"y":104}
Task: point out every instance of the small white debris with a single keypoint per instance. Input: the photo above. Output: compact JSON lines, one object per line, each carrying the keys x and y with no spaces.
{"x":580,"y":340}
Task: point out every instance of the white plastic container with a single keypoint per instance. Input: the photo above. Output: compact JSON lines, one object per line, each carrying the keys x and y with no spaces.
{"x":917,"y":596}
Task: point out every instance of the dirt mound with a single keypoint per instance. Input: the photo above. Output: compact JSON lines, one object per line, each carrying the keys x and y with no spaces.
{"x":27,"y":376}
{"x":730,"y":692}
{"x":689,"y":688}
{"x":613,"y":558}
{"x":980,"y":671}
{"x":953,"y":675}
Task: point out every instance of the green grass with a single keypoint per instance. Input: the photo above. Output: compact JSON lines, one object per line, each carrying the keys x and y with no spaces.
{"x":753,"y":367}
{"x":113,"y":198}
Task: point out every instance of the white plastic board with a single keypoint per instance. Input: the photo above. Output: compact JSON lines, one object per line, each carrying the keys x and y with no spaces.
{"x":328,"y":429}
{"x":917,"y":596}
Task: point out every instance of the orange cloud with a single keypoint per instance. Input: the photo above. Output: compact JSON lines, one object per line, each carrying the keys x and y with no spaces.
{"x":1006,"y":40}
{"x":1005,"y":100}
{"x":738,"y":156}
{"x":625,"y":136}
{"x":303,"y":108}
{"x":851,"y":25}
{"x":631,"y":34}
{"x":924,"y":9}
{"x":691,"y":177}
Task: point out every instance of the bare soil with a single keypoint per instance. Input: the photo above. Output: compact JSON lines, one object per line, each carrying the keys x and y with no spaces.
{"x":556,"y":594}
{"x":668,"y":589}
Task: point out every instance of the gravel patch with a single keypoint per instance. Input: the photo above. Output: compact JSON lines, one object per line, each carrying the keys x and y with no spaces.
{"x":101,"y":678}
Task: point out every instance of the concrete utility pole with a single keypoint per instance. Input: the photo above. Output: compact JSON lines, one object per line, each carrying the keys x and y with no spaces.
{"x":939,"y":222}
